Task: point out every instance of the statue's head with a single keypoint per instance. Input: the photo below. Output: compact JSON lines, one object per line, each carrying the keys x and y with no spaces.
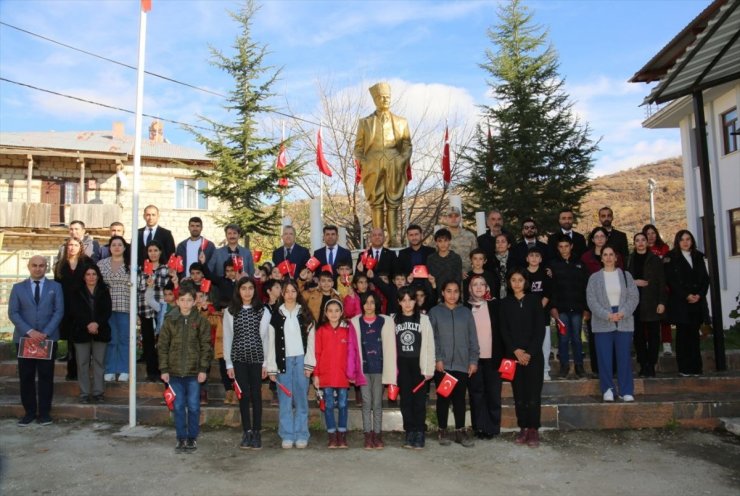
{"x":381,"y":93}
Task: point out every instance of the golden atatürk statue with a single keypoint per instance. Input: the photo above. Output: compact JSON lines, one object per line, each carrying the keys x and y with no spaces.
{"x":383,"y":148}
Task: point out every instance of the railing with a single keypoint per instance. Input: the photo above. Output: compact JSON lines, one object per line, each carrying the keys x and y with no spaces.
{"x":6,"y":284}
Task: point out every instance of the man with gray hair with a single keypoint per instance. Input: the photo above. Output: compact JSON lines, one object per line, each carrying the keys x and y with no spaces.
{"x":487,"y":240}
{"x":232,"y":249}
{"x":291,"y":251}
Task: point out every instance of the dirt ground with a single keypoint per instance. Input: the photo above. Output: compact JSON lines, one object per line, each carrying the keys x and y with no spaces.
{"x":81,"y":458}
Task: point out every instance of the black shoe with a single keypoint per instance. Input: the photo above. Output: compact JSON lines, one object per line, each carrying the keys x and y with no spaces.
{"x":256,"y":440}
{"x":580,"y":371}
{"x":180,"y":446}
{"x":246,"y":440}
{"x":26,"y":420}
{"x":564,"y":370}
{"x":408,"y":443}
{"x":191,"y":445}
{"x":85,"y":399}
{"x":70,"y":378}
{"x":45,"y":420}
{"x":98,"y":398}
{"x":420,"y":440}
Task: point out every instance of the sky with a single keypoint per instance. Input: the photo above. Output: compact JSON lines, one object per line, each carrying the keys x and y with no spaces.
{"x":430,"y":51}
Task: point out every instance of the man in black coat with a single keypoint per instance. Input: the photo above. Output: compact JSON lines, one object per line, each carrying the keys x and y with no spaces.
{"x":153,"y":231}
{"x":529,"y":240}
{"x":617,"y":239}
{"x":331,"y":253}
{"x":414,"y":254}
{"x":565,"y":220}
{"x":387,"y":259}
{"x":487,"y":240}
{"x":291,"y":250}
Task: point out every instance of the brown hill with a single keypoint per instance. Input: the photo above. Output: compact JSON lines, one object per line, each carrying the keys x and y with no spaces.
{"x":626,"y":192}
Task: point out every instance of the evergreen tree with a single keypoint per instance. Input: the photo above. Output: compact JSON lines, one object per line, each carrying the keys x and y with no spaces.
{"x":532,"y":156}
{"x":244,"y":175}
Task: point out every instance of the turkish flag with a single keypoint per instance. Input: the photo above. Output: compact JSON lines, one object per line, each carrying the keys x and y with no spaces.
{"x":257,"y":256}
{"x":418,"y":386}
{"x":313,"y":263}
{"x":175,"y":262}
{"x":420,"y":272}
{"x":238,"y":263}
{"x":327,"y":268}
{"x":507,"y":369}
{"x":284,"y":267}
{"x":205,"y":285}
{"x":392,"y":392}
{"x":237,"y":390}
{"x":148,"y":267}
{"x":284,"y":389}
{"x":446,"y":159}
{"x":146,"y":5}
{"x":169,"y":397}
{"x":561,"y":327}
{"x":203,"y":245}
{"x":282,"y":162}
{"x":320,"y":159}
{"x":447,"y":384}
{"x":358,"y":172}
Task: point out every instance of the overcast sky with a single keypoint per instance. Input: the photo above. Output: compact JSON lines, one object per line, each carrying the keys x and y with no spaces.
{"x":429,"y":50}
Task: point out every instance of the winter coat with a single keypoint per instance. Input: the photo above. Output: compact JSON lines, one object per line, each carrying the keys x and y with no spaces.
{"x":426,"y":356}
{"x":522,"y":324}
{"x":569,"y":279}
{"x":276,"y":339}
{"x":184,"y":344}
{"x":86,"y":310}
{"x":654,"y":293}
{"x":354,"y":358}
{"x":684,"y":280}
{"x":455,"y":337}
{"x":331,"y":349}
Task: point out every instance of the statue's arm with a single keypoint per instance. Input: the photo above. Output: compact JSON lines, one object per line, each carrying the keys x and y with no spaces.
{"x":360,"y":142}
{"x":405,"y":149}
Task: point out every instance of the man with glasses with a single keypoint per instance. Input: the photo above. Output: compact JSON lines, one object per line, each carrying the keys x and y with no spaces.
{"x":530,"y":240}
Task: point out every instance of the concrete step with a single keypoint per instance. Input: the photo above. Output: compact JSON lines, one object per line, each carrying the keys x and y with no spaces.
{"x":686,"y":410}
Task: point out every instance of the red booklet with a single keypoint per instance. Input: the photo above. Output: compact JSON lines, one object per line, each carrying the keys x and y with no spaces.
{"x":28,"y":348}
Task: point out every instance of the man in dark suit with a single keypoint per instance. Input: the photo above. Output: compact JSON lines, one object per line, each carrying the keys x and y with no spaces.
{"x":331,"y":253}
{"x":617,"y":239}
{"x":36,"y":308}
{"x":153,"y":231}
{"x":565,"y":220}
{"x":191,"y":248}
{"x":387,"y":259}
{"x":414,"y":254}
{"x":529,"y":240}
{"x":291,"y":250}
{"x":487,"y":240}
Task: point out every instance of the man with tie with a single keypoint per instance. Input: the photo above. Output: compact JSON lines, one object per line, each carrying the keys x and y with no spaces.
{"x":36,"y":308}
{"x":153,"y":231}
{"x":565,"y":220}
{"x":291,"y":251}
{"x":529,"y":240}
{"x":331,"y":253}
{"x":387,"y":261}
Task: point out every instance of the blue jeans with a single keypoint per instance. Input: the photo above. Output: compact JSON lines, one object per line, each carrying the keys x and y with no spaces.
{"x":293,"y":412}
{"x":573,"y":322}
{"x":187,"y":389}
{"x":331,"y":423}
{"x":621,"y":342}
{"x":116,"y":353}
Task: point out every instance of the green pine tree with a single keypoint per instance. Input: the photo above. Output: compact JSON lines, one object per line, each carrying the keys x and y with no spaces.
{"x":533,"y":155}
{"x":244,"y":176}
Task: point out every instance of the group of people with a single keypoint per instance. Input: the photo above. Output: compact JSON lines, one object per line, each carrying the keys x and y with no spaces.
{"x":396,"y":320}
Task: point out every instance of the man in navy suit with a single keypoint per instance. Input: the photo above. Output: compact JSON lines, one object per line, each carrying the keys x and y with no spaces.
{"x":291,"y":250}
{"x":36,"y":308}
{"x":387,"y":259}
{"x":566,"y":217}
{"x":331,"y":253}
{"x":153,"y":231}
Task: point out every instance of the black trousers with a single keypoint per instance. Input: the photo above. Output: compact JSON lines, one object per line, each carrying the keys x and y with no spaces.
{"x":688,"y":345}
{"x":249,"y":377}
{"x":527,"y":389}
{"x":224,"y":377}
{"x":485,"y":397}
{"x":457,"y":399}
{"x":413,"y":405}
{"x":28,"y":369}
{"x":647,"y":340}
{"x":149,"y":347}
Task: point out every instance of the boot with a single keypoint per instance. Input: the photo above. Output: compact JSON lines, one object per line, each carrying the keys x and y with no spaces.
{"x":358,"y":397}
{"x":443,"y":439}
{"x":391,"y":222}
{"x":521,"y":438}
{"x":378,"y":440}
{"x":409,"y":438}
{"x":203,"y":395}
{"x":580,"y":371}
{"x":257,"y":440}
{"x":229,"y":397}
{"x":333,"y":440}
{"x":246,"y":440}
{"x":420,"y":440}
{"x":533,"y":439}
{"x":377,"y":217}
{"x":564,"y":370}
{"x":369,"y":441}
{"x":342,"y":440}
{"x":462,"y":437}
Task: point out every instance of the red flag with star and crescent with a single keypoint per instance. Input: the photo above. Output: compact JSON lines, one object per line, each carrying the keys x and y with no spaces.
{"x":282,"y":162}
{"x":446,"y":175}
{"x":146,"y":5}
{"x":320,"y":159}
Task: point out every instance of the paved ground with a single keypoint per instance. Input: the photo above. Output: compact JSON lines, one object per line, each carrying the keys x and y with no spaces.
{"x":81,"y":458}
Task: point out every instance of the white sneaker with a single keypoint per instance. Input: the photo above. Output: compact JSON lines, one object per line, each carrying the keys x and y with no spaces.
{"x":301,"y":444}
{"x":109,"y":377}
{"x":628,"y":398}
{"x":609,"y":396}
{"x":287,"y":444}
{"x":547,"y":377}
{"x":667,"y":350}
{"x":122,"y":377}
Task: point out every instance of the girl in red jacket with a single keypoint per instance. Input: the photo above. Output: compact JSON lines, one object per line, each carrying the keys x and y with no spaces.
{"x":330,"y":373}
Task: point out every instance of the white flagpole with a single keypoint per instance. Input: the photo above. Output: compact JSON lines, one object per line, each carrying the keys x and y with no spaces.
{"x":135,"y":221}
{"x":321,"y":184}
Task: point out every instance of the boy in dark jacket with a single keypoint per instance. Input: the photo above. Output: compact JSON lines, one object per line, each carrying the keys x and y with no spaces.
{"x":541,"y":285}
{"x":184,"y":356}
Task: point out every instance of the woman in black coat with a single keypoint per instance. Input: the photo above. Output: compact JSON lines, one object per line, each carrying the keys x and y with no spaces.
{"x":647,"y":271}
{"x":91,"y":332}
{"x":485,"y":385}
{"x":688,"y":282}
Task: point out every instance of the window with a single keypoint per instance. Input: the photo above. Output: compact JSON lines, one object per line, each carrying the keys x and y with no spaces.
{"x":735,"y":231}
{"x":189,"y":194}
{"x":729,"y":131}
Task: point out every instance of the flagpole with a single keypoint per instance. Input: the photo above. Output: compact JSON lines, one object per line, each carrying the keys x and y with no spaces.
{"x":282,"y":190}
{"x":138,"y":129}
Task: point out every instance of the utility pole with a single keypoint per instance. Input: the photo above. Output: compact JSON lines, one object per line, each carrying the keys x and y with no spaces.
{"x":651,"y":189}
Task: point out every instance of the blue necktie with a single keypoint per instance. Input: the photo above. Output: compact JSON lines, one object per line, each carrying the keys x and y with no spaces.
{"x":37,"y":292}
{"x":331,"y":256}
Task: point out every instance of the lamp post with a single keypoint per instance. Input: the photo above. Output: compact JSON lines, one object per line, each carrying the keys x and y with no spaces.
{"x":651,"y":189}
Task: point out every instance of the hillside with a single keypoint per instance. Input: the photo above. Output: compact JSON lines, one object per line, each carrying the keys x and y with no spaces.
{"x":627,"y":194}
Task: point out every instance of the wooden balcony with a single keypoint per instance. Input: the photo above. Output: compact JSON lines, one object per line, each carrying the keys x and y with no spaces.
{"x":38,"y":215}
{"x":22,"y":214}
